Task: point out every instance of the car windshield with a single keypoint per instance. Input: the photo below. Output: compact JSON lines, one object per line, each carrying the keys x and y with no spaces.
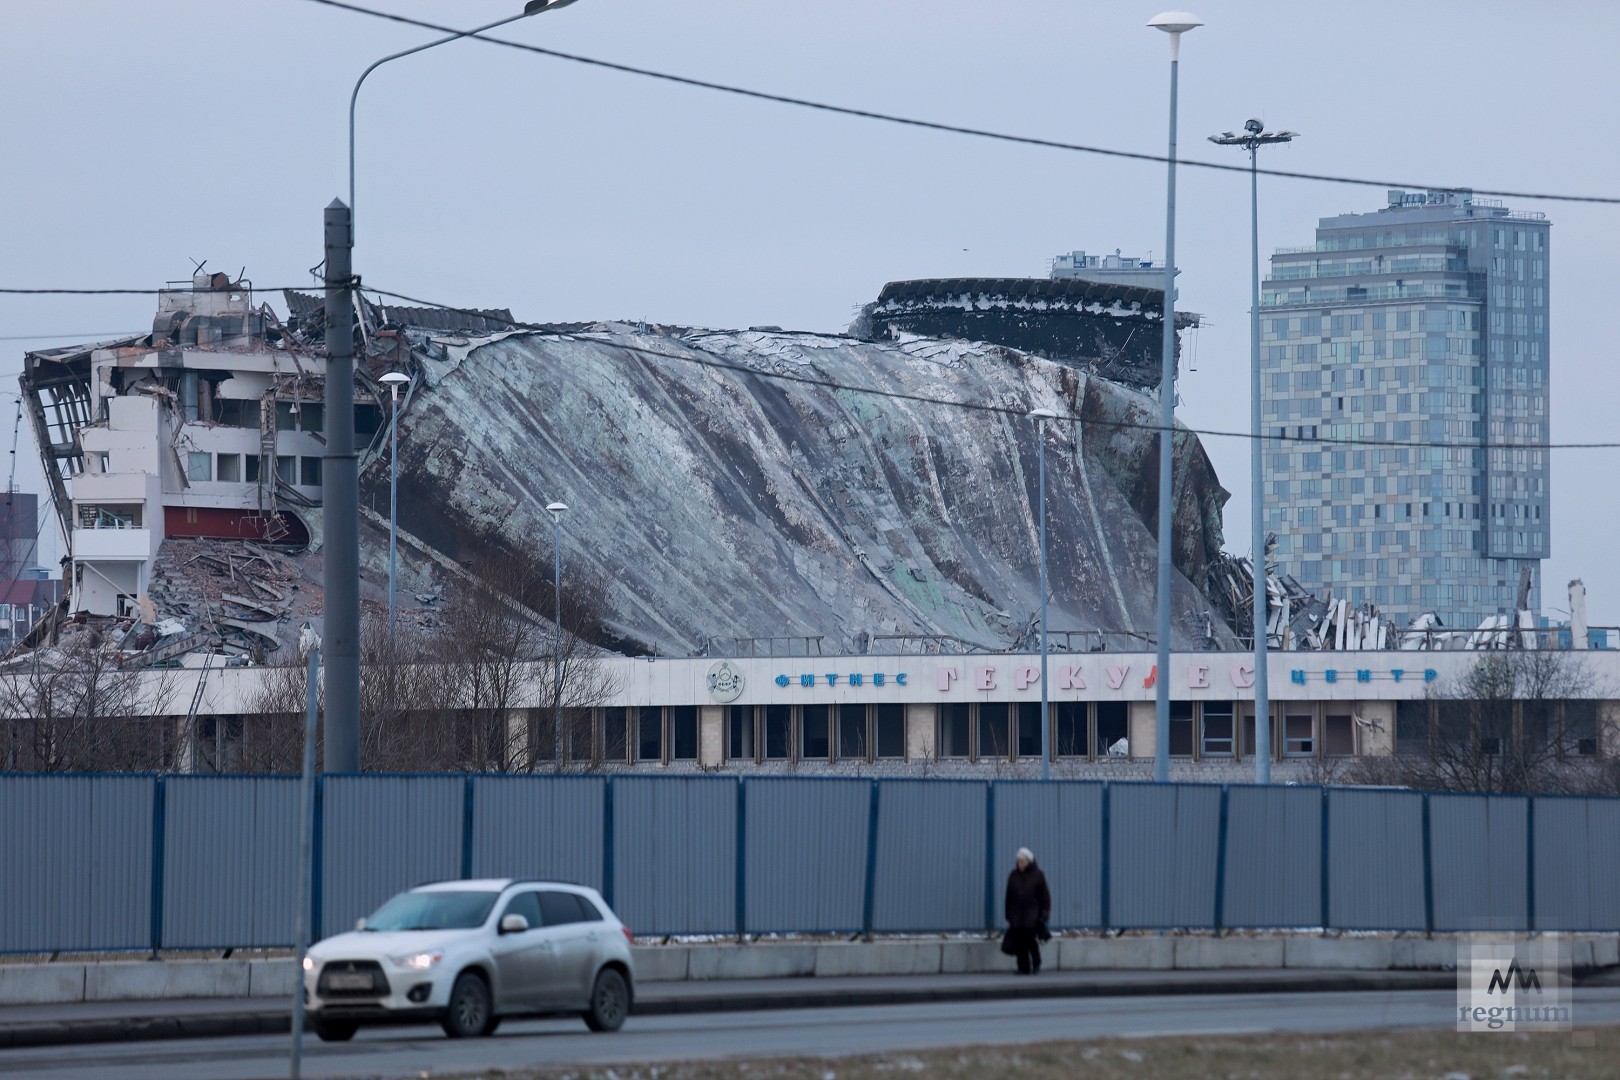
{"x":433,"y":911}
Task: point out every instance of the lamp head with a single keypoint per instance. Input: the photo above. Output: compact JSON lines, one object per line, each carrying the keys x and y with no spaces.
{"x":1175,"y":22}
{"x":556,"y":510}
{"x":1043,"y":414}
{"x":1254,"y":127}
{"x":535,"y":7}
{"x":394,"y":378}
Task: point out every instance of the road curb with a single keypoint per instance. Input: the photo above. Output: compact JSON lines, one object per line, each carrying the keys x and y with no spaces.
{"x":267,"y":1022}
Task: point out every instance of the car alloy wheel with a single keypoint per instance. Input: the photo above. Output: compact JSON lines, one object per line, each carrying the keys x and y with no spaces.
{"x":468,"y":1014}
{"x":610,"y":1002}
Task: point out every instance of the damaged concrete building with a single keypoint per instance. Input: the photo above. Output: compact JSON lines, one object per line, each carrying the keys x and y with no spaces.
{"x":800,"y":547}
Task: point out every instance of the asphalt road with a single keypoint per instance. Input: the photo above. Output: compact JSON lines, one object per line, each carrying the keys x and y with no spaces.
{"x":420,"y":1052}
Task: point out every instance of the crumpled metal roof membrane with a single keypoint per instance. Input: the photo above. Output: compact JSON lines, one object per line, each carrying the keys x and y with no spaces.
{"x":718,"y":502}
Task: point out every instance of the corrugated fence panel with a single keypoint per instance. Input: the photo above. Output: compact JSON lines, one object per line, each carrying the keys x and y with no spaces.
{"x":930,"y":856}
{"x":538,"y":827}
{"x":75,"y":862}
{"x":230,"y":858}
{"x":806,"y":854}
{"x":1480,"y":861}
{"x":1061,"y":823}
{"x":1375,"y":860}
{"x":381,"y":835}
{"x":1273,"y":857}
{"x":1577,"y":864}
{"x":675,"y":854}
{"x":1163,"y":842}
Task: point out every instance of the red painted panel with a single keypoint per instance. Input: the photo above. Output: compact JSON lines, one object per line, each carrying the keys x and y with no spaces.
{"x":221,"y":524}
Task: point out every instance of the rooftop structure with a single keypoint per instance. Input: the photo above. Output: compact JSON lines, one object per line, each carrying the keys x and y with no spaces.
{"x":1115,"y":269}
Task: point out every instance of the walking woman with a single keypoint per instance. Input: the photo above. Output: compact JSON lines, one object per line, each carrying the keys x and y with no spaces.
{"x":1029,"y":905}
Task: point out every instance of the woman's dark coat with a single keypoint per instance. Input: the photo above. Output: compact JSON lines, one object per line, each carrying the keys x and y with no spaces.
{"x":1029,"y":904}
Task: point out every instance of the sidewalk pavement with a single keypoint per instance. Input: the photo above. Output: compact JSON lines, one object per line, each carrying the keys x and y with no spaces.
{"x":125,"y":1021}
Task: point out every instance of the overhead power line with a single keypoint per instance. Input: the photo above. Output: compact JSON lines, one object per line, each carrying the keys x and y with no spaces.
{"x":953,"y":129}
{"x":711,"y":361}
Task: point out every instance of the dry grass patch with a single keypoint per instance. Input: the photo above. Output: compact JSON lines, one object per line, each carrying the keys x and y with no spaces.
{"x":1580,"y":1055}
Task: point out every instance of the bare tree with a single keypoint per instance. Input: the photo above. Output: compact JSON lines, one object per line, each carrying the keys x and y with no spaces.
{"x":73,"y":707}
{"x":1515,"y":721}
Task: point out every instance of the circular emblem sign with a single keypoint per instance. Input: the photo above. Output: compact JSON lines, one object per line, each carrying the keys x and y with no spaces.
{"x":725,"y":681}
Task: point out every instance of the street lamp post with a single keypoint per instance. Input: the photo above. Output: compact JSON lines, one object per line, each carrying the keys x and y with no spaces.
{"x":533,"y":7}
{"x":1041,"y":417}
{"x":340,"y":465}
{"x":556,"y":510}
{"x":1174,"y":23}
{"x":394,"y":380}
{"x":1253,"y":138}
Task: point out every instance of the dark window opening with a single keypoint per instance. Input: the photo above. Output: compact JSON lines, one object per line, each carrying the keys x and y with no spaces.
{"x":683,"y":732}
{"x":994,"y":741}
{"x":778,"y":731}
{"x":1411,"y":727}
{"x":1339,"y":735}
{"x":1069,"y":717}
{"x":953,"y":729}
{"x":1113,"y":728}
{"x":649,"y":733}
{"x":814,"y":744}
{"x":1181,"y":729}
{"x":852,"y":732}
{"x":740,"y":733}
{"x":1029,"y":728}
{"x":890,"y":722}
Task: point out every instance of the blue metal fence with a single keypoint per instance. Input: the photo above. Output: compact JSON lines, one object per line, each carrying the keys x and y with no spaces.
{"x":136,"y":863}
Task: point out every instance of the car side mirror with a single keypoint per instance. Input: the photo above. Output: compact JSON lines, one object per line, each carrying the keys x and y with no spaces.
{"x":514,"y":924}
{"x":359,"y":924}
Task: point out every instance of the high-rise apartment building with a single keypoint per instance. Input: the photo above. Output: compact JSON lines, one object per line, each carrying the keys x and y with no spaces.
{"x":1406,"y":352}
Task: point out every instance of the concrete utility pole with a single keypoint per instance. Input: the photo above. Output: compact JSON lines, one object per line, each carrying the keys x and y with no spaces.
{"x":341,"y":499}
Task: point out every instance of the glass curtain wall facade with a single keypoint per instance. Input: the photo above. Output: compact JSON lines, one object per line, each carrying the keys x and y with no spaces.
{"x":1420,"y":328}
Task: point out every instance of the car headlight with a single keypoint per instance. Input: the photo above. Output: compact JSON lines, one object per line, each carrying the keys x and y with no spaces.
{"x":309,"y":964}
{"x":421,"y":961}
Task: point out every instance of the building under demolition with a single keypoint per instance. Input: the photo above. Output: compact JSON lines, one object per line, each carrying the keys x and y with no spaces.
{"x":795,"y":547}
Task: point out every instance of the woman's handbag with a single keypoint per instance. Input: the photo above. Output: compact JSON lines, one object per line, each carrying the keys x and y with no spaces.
{"x":1007,"y":946}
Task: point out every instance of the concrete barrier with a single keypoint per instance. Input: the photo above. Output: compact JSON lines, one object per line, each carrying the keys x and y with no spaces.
{"x":65,"y":983}
{"x":1117,"y":954}
{"x":661,"y":963}
{"x":967,"y":957}
{"x":271,"y":978}
{"x":878,"y":958}
{"x":41,"y":984}
{"x":1421,"y":954}
{"x":1372,"y":954}
{"x":1228,"y":952}
{"x":757,"y":961}
{"x":148,"y":980}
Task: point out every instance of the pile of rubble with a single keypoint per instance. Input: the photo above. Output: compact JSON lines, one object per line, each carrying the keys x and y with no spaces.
{"x":1299,"y":619}
{"x":1296,"y":618}
{"x":238,"y":598}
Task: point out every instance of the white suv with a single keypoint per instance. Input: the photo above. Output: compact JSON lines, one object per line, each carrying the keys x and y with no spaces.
{"x":468,"y":953}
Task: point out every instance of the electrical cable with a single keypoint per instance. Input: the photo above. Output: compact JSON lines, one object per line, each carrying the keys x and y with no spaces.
{"x":953,"y":129}
{"x":832,"y":384}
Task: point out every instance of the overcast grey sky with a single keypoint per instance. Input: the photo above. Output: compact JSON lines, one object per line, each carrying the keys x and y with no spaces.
{"x":138,"y":136}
